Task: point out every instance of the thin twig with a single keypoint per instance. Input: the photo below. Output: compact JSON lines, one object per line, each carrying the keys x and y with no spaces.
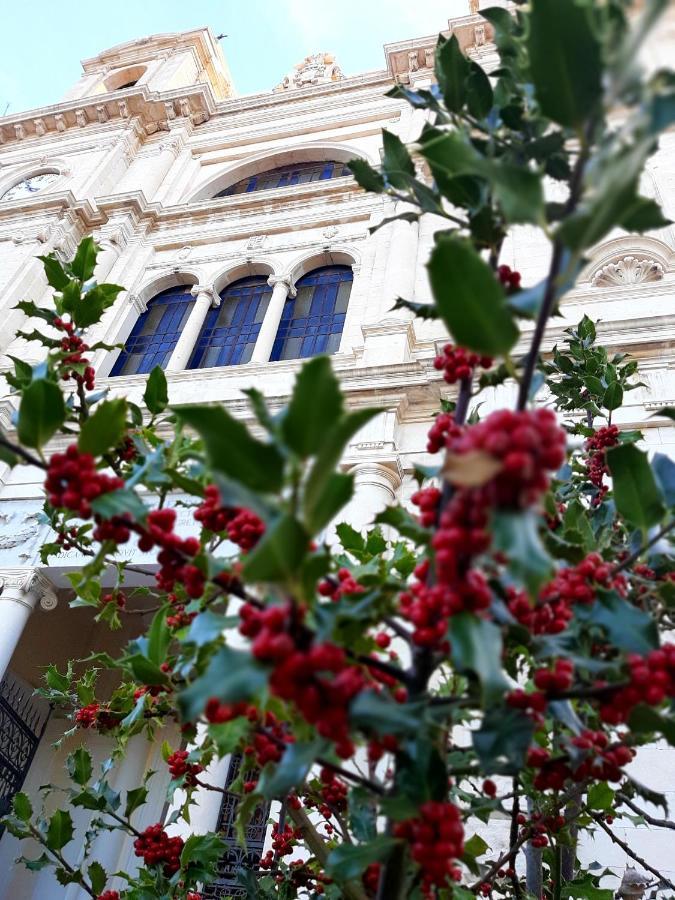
{"x":24,"y":454}
{"x":626,"y":849}
{"x":628,"y":562}
{"x":651,"y":820}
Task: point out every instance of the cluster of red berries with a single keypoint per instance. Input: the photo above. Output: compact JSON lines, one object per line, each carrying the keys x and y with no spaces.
{"x":557,"y":679}
{"x":316,"y":677}
{"x":652,"y":680}
{"x":174,"y":553}
{"x":116,"y":529}
{"x":73,"y":346}
{"x":218,"y":712}
{"x":157,"y":848}
{"x":345,"y":584}
{"x":283,"y":841}
{"x":427,"y":500}
{"x":436,"y":838}
{"x":179,"y":767}
{"x":532,"y":703}
{"x":116,"y":597}
{"x":333,"y":793}
{"x":599,"y":761}
{"x":597,"y":446}
{"x":529,"y":444}
{"x":457,"y":363}
{"x":371,"y":878}
{"x":242,"y":526}
{"x":509,"y":278}
{"x":87,"y":716}
{"x":67,"y":538}
{"x":539,"y":827}
{"x":443,"y":432}
{"x":108,"y":895}
{"x":127,"y":451}
{"x":72,"y":481}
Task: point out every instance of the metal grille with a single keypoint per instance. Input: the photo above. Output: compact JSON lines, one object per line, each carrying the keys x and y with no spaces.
{"x":312,"y":322}
{"x":285,"y":176}
{"x":236,"y":857}
{"x":23,"y":719}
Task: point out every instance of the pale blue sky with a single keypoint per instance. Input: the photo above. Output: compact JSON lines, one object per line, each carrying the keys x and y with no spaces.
{"x":43,"y":41}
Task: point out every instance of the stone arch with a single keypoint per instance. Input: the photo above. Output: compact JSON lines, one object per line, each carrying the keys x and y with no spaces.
{"x":243,"y":269}
{"x":121,"y":78}
{"x":45,"y":166}
{"x":162,"y":282}
{"x":329,"y":256}
{"x":262,"y":162}
{"x":628,"y":260}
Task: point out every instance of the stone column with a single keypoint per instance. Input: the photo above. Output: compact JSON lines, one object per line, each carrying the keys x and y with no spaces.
{"x":399,"y":276}
{"x":20,"y":592}
{"x":375,"y":487}
{"x":282,"y":287}
{"x":108,"y":256}
{"x":206,"y":297}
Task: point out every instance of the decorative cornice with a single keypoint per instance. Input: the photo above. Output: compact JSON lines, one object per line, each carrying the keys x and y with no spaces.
{"x":28,"y":586}
{"x":628,"y":270}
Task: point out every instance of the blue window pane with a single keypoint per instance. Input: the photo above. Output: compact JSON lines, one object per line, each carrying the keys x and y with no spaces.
{"x":155,"y":334}
{"x":229,"y":333}
{"x":296,"y":173}
{"x":312,"y":322}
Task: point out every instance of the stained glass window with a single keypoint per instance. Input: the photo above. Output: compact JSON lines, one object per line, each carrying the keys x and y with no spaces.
{"x":294,"y":173}
{"x":312,"y":322}
{"x":155,"y":334}
{"x":230,"y":332}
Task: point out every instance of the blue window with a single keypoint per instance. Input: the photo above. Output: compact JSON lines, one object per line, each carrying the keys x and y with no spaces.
{"x":229,"y":332}
{"x":312,"y":322}
{"x":155,"y":334}
{"x":296,"y":173}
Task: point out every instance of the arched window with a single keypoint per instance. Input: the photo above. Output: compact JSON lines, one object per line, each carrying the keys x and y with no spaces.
{"x":155,"y":334}
{"x":312,"y":322}
{"x":229,"y":332}
{"x":294,"y":173}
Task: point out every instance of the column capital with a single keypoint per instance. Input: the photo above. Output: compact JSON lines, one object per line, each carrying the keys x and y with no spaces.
{"x":28,"y":587}
{"x":138,"y":303}
{"x":371,"y":472}
{"x":206,"y":290}
{"x":286,"y":280}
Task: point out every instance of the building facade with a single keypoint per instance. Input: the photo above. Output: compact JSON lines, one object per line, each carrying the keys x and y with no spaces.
{"x":243,"y":245}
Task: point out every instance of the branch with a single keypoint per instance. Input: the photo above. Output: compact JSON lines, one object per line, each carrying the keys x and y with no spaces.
{"x":513,"y":835}
{"x":62,"y":862}
{"x":24,"y":454}
{"x":628,"y":562}
{"x":651,"y":820}
{"x":627,"y":850}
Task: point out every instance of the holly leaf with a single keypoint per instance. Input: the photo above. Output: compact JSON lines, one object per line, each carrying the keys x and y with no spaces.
{"x":41,"y":413}
{"x":22,"y":807}
{"x":79,"y":766}
{"x":517,"y":536}
{"x":502,"y":741}
{"x":156,"y":394}
{"x":84,"y":261}
{"x":476,"y":646}
{"x":97,"y":877}
{"x":276,"y":780}
{"x":316,"y":403}
{"x":59,"y":830}
{"x":105,"y":427}
{"x":627,"y":627}
{"x":231,"y":675}
{"x":349,"y":861}
{"x":377,"y":713}
{"x":279,"y":553}
{"x":636,"y":494}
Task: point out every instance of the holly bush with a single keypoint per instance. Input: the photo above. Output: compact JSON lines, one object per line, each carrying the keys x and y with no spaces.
{"x":495,"y":652}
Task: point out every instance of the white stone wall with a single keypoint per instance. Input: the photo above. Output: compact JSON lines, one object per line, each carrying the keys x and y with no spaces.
{"x":138,"y":169}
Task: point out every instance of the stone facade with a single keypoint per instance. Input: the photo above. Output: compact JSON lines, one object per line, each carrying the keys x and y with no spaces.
{"x":136,"y":152}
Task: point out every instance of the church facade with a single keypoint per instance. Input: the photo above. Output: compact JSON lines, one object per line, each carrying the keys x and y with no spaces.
{"x":244,"y":245}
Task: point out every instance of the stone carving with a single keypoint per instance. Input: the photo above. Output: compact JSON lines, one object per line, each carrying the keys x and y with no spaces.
{"x":80,"y":117}
{"x":29,"y":581}
{"x":429,"y":57}
{"x":102,"y":113}
{"x":138,"y":303}
{"x":474,"y":7}
{"x":40,"y":127}
{"x":330,"y":232}
{"x":60,"y":121}
{"x":256,"y":240}
{"x":20,"y":132}
{"x":413,"y":61}
{"x":318,"y":68}
{"x":479,"y":35}
{"x":123,"y":108}
{"x":170,"y":109}
{"x":628,"y":270}
{"x":184,"y":106}
{"x":183,"y":253}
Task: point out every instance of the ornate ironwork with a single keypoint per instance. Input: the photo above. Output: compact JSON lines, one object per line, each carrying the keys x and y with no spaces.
{"x":227,"y":885}
{"x":23,"y":719}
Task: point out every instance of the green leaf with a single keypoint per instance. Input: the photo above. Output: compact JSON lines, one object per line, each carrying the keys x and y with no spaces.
{"x":613,"y":397}
{"x":378,"y":713}
{"x":84,"y":261}
{"x":452,"y":70}
{"x":502,"y":741}
{"x":350,"y":538}
{"x":279,"y":553}
{"x":565,"y":61}
{"x":470,"y":299}
{"x":21,"y":806}
{"x":278,"y":779}
{"x":33,"y":311}
{"x":405,"y":523}
{"x":56,"y":276}
{"x":644,"y":215}
{"x":627,"y":627}
{"x":56,"y":681}
{"x":600,"y":796}
{"x":97,"y":877}
{"x":41,"y":413}
{"x":476,"y":646}
{"x":584,"y":888}
{"x":118,"y":502}
{"x":517,"y":536}
{"x":135,"y":799}
{"x":105,"y":428}
{"x":337,"y":492}
{"x":519,"y":192}
{"x":79,"y":766}
{"x":349,"y":861}
{"x":156,"y":394}
{"x":475,"y":846}
{"x":663,"y":468}
{"x":144,"y":670}
{"x":231,"y":448}
{"x":87,"y":310}
{"x":636,"y":494}
{"x":480,"y":98}
{"x":336,"y":439}
{"x":231,"y":675}
{"x":362,"y":814}
{"x":316,"y":403}
{"x":207,"y":626}
{"x":59,"y":830}
{"x":159,"y":638}
{"x":228,"y":736}
{"x":645,"y":719}
{"x":366,"y":176}
{"x":398,"y":165}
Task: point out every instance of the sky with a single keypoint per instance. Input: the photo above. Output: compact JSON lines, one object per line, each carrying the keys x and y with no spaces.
{"x":44,"y":41}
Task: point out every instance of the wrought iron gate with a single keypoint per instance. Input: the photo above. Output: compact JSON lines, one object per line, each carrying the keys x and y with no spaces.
{"x":23,"y":719}
{"x":236,"y":858}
